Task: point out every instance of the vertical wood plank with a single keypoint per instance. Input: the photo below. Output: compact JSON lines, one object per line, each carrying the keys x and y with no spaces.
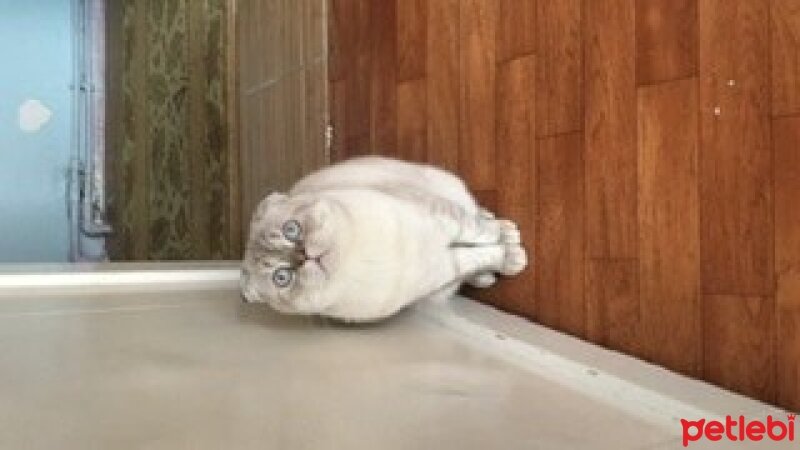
{"x":736,"y":194}
{"x":611,"y":155}
{"x":314,"y":38}
{"x":412,"y":27}
{"x":294,"y":122}
{"x":668,"y":224}
{"x":292,"y":19}
{"x":359,"y":79}
{"x":272,"y":173}
{"x":739,"y":344}
{"x":383,"y":80}
{"x":560,"y":234}
{"x":613,"y":312}
{"x":269,"y":48}
{"x":314,"y":155}
{"x":444,"y":101}
{"x":516,"y":28}
{"x":478,"y":74}
{"x":516,"y":188}
{"x":338,"y":108}
{"x":412,"y":131}
{"x":559,"y":74}
{"x":785,"y":57}
{"x":341,"y":39}
{"x":786,"y":132}
{"x":666,"y":40}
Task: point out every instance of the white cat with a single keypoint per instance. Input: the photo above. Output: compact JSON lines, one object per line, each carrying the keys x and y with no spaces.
{"x":362,"y":239}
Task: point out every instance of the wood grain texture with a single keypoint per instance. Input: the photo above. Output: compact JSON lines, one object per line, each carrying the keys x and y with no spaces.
{"x":611,"y":156}
{"x":383,"y":80}
{"x":785,"y":57}
{"x":444,"y":95}
{"x":284,"y":104}
{"x":314,"y":154}
{"x":338,"y":111}
{"x":412,"y":34}
{"x":739,"y":350}
{"x":516,"y":187}
{"x":270,"y":57}
{"x":341,"y":45}
{"x":559,"y":74}
{"x":314,"y":19}
{"x":786,"y":133}
{"x":632,"y":142}
{"x":476,"y":161}
{"x":291,"y":16}
{"x":359,"y":78}
{"x":668,"y":225}
{"x":516,"y":29}
{"x":613,"y":313}
{"x":560,"y":238}
{"x":412,"y":112}
{"x":293,"y":92}
{"x":666,"y":40}
{"x":736,"y":162}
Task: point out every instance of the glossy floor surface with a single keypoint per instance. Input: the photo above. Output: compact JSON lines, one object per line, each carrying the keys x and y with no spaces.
{"x":199,"y":370}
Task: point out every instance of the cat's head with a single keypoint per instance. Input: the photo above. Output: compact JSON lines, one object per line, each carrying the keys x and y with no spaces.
{"x":290,"y":253}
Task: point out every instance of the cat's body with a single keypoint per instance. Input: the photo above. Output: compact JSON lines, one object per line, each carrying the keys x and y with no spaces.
{"x":376,"y":235}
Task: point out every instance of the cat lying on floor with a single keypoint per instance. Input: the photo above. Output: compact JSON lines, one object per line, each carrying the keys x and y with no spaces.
{"x":362,"y":239}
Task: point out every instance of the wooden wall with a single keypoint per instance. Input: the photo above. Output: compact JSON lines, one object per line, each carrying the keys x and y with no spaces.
{"x":172,"y":171}
{"x":282,"y":95}
{"x":649,"y":149}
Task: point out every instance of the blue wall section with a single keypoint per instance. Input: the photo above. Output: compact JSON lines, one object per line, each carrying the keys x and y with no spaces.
{"x":36,"y":51}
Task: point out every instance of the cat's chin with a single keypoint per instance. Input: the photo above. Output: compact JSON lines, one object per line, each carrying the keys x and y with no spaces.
{"x":299,"y":306}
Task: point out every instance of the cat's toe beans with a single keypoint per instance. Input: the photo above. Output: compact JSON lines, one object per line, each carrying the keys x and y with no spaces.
{"x":515,"y":260}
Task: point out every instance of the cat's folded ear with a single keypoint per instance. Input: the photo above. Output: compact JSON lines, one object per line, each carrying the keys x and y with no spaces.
{"x":270,"y":201}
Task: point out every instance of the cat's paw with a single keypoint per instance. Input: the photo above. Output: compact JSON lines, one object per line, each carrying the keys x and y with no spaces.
{"x":515,"y":260}
{"x":509,"y":232}
{"x":482,"y":280}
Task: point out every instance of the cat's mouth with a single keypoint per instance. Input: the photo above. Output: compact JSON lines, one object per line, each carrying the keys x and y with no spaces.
{"x":319,"y":261}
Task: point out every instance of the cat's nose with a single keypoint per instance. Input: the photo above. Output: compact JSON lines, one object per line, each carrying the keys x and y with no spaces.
{"x":300,"y":256}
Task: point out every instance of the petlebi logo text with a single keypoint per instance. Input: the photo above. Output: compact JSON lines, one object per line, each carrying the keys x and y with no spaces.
{"x":739,"y":430}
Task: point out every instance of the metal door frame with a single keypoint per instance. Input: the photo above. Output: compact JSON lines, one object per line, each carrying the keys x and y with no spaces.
{"x":86,"y":179}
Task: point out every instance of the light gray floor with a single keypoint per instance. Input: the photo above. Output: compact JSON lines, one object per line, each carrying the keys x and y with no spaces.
{"x":199,"y":370}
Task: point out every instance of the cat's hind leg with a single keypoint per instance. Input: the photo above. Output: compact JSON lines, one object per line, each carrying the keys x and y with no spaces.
{"x":509,"y":235}
{"x":476,"y":230}
{"x":504,"y":259}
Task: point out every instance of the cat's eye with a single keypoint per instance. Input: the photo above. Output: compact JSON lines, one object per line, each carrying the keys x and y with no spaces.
{"x":292,"y":231}
{"x":282,"y":277}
